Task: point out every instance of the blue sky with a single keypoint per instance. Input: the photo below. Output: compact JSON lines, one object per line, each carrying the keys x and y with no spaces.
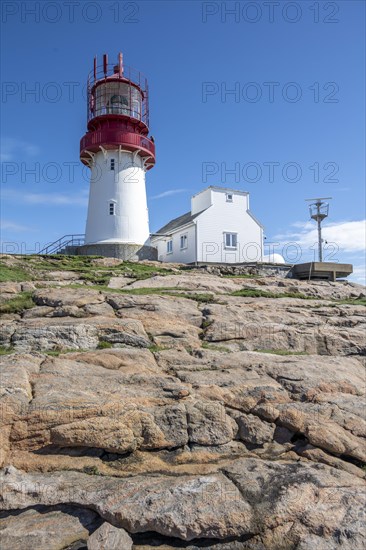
{"x":292,"y":128}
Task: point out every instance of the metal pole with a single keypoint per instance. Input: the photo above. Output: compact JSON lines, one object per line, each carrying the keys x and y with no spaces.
{"x":320,"y":251}
{"x":318,"y":219}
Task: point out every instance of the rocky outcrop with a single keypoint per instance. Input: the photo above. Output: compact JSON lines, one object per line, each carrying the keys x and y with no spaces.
{"x":108,"y":537}
{"x":169,"y":410}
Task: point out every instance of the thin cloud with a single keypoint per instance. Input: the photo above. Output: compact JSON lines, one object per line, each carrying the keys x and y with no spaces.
{"x":54,"y":199}
{"x":359,"y":274}
{"x":169,"y":193}
{"x":349,"y":236}
{"x":11,"y":148}
{"x":13,"y":226}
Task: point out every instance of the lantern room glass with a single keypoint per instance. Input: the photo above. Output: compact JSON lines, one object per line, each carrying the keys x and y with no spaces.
{"x":118,"y":98}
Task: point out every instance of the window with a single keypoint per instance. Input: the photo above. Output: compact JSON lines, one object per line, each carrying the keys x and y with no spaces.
{"x":169,"y":247}
{"x":183,"y":241}
{"x":112,"y":164}
{"x":112,"y":208}
{"x":231,"y":240}
{"x":229,"y":197}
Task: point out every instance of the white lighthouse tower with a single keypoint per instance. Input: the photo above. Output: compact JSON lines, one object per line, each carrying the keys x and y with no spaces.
{"x":119,"y":152}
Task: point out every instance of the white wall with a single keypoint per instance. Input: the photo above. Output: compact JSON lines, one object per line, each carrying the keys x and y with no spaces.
{"x":125,"y":186}
{"x":187,"y":255}
{"x":201,"y":201}
{"x":230,"y":217}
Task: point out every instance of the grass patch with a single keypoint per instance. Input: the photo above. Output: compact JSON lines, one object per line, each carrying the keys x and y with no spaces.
{"x":103,"y":344}
{"x":353,"y":302}
{"x":141,"y":271}
{"x":6,"y":350}
{"x":53,"y":352}
{"x":13,"y":273}
{"x":139,"y":291}
{"x":242,"y":276}
{"x":201,"y":297}
{"x":254,"y":293}
{"x":18,"y":304}
{"x":91,"y":470}
{"x":84,"y":264}
{"x":102,"y":280}
{"x":154,"y":348}
{"x":57,"y":352}
{"x":336,"y":303}
{"x":161,"y":291}
{"x":281,"y":352}
{"x":213,"y":347}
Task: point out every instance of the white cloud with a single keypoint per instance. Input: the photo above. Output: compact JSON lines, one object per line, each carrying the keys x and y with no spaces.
{"x":169,"y":193}
{"x":359,"y":274}
{"x":346,"y":243}
{"x":348,"y":236}
{"x":13,"y":226}
{"x":54,"y":199}
{"x":12,"y":148}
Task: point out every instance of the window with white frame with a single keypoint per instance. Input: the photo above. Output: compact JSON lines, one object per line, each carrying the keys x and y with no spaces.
{"x":231,"y":240}
{"x":112,"y":208}
{"x":183,"y":241}
{"x":112,"y":164}
{"x":169,"y":246}
{"x":229,"y":197}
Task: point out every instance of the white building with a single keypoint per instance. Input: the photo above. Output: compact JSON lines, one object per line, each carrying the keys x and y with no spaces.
{"x":219,"y":228}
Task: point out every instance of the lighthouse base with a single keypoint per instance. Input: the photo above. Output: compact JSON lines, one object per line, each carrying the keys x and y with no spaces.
{"x":122,"y":251}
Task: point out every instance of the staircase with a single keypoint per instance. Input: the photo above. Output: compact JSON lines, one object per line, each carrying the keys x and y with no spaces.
{"x":64,"y":245}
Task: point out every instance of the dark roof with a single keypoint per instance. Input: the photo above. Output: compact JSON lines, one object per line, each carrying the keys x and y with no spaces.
{"x":176,"y":223}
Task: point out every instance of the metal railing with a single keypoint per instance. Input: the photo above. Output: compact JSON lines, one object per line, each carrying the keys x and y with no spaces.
{"x":116,"y":137}
{"x":61,"y":243}
{"x":129,"y":77}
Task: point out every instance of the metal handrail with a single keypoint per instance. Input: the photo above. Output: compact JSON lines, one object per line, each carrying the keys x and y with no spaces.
{"x":107,"y":73}
{"x":60,"y":243}
{"x":129,"y":73}
{"x":116,"y":136}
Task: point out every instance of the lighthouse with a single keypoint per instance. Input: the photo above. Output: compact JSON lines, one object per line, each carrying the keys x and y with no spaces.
{"x":118,"y":150}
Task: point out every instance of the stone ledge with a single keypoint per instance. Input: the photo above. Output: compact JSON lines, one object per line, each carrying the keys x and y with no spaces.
{"x":119,"y":250}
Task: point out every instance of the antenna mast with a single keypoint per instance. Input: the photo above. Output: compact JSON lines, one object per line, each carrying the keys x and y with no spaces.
{"x":318,"y":211}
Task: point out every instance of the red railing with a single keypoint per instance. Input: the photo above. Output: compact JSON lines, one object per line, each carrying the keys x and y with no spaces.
{"x":111,"y":137}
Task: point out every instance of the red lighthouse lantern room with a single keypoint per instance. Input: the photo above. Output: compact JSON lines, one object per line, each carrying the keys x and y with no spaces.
{"x":118,"y":112}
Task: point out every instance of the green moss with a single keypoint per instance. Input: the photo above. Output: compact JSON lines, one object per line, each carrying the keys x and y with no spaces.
{"x":352,"y":302}
{"x":13,"y":273}
{"x":103,"y":344}
{"x":202,"y":297}
{"x":154,"y":348}
{"x":91,"y":470}
{"x":256,"y":293}
{"x":242,"y":276}
{"x":60,"y":351}
{"x":6,"y":350}
{"x":53,"y":352}
{"x":281,"y":352}
{"x":161,"y":291}
{"x":213,"y":347}
{"x":102,"y":280}
{"x":22,"y":301}
{"x":142,"y":271}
